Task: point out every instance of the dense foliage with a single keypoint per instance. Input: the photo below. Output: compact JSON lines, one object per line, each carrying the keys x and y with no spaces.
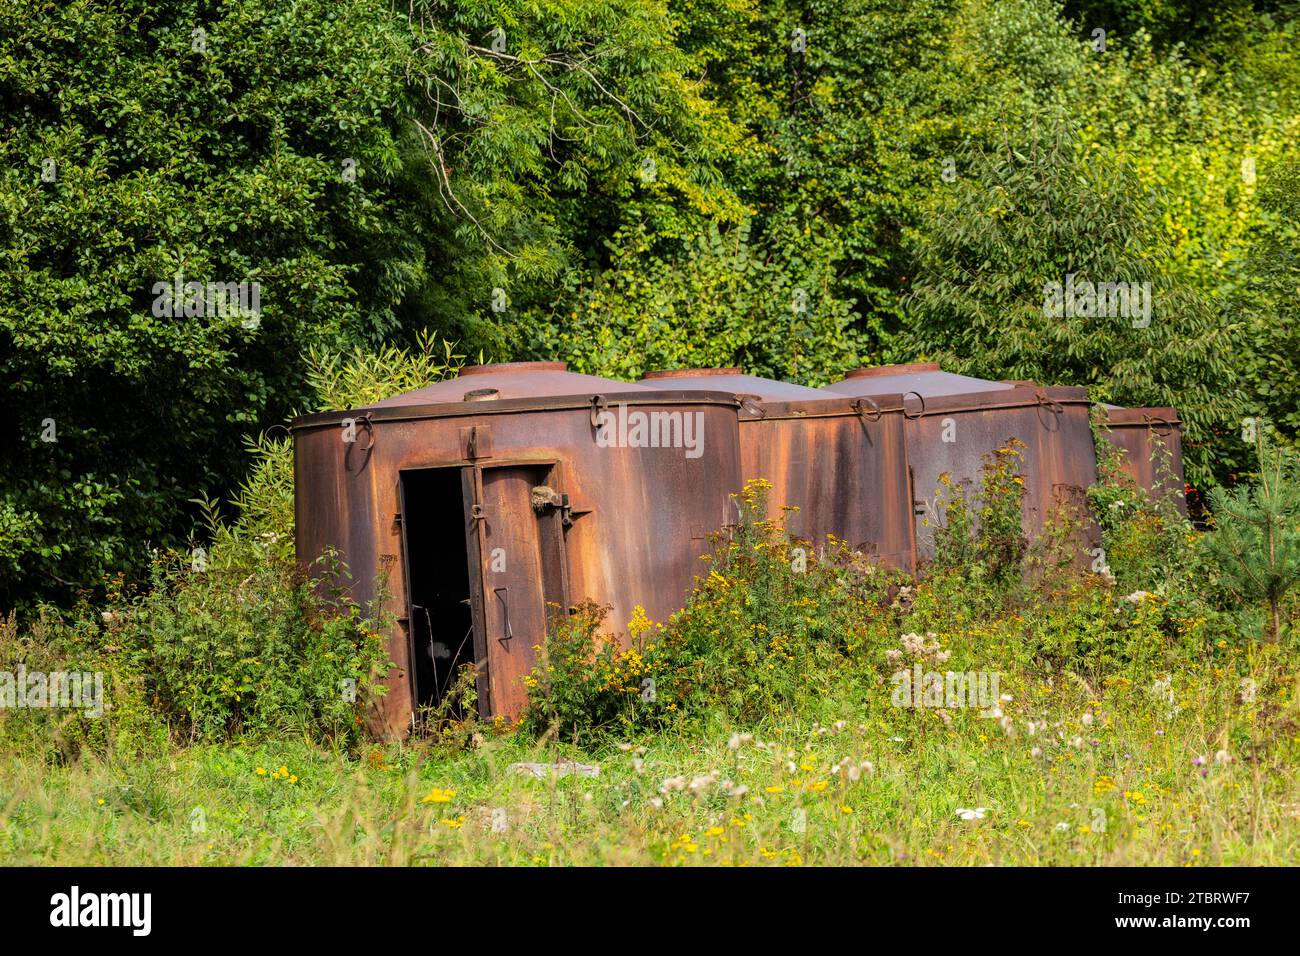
{"x":795,"y":187}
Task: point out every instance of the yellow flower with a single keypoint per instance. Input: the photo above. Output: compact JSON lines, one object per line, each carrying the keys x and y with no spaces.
{"x":455,"y":824}
{"x":261,"y":771}
{"x":438,"y":795}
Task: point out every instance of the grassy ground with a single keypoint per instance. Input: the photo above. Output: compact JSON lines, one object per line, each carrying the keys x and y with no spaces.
{"x":1135,"y":782}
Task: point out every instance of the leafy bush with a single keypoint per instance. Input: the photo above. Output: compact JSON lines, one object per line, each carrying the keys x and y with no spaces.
{"x":986,"y":540}
{"x":770,"y":628}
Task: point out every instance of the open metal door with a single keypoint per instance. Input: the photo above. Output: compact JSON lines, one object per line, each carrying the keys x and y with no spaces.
{"x":518,"y":572}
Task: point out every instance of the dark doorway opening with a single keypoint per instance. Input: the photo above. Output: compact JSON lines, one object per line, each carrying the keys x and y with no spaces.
{"x":437,"y":569}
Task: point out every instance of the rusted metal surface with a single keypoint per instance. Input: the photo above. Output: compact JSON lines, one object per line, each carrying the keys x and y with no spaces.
{"x":841,"y":461}
{"x":922,"y":378}
{"x":1148,"y":437}
{"x":550,"y":514}
{"x":954,"y":423}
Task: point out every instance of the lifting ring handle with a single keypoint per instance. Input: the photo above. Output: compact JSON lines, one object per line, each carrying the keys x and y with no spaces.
{"x":867,"y":409}
{"x":752,"y":403}
{"x":1154,"y":422}
{"x":920,"y":398}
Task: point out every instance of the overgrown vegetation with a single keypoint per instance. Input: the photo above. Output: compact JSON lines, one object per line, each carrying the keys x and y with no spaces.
{"x":801,"y":709}
{"x":794,"y":187}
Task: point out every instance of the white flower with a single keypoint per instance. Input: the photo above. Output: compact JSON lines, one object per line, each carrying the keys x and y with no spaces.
{"x":976,"y":813}
{"x":1036,"y":752}
{"x":1086,"y":720}
{"x":1223,"y":757}
{"x":702,"y":783}
{"x":657,"y":803}
{"x":1062,"y":827}
{"x":739,"y":740}
{"x":673,"y":783}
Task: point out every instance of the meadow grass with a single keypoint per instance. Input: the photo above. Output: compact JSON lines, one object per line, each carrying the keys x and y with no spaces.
{"x":846,"y":782}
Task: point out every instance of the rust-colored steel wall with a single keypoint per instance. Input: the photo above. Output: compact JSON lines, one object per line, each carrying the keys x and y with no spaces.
{"x":641,"y":516}
{"x":1141,"y":432}
{"x":952,"y":427}
{"x":842,"y":462}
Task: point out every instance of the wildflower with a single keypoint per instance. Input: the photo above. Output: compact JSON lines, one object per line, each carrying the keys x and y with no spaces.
{"x":261,"y":771}
{"x":739,"y":740}
{"x":1086,"y":720}
{"x":657,"y":803}
{"x":700,"y":784}
{"x":1036,"y":752}
{"x":975,"y":813}
{"x":1222,"y":757}
{"x":1198,"y":761}
{"x":438,"y":795}
{"x":673,"y":783}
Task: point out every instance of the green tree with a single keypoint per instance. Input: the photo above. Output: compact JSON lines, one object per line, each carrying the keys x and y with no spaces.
{"x":1256,"y":541}
{"x":1010,"y":285}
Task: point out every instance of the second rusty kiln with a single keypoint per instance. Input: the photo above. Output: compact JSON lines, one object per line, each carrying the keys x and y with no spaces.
{"x":955,"y":422}
{"x":842,"y":462}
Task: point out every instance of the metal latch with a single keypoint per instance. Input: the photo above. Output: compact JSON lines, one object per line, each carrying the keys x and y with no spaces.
{"x":544,"y":497}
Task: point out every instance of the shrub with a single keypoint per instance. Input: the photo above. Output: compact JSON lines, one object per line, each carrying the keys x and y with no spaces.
{"x":771,"y":628}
